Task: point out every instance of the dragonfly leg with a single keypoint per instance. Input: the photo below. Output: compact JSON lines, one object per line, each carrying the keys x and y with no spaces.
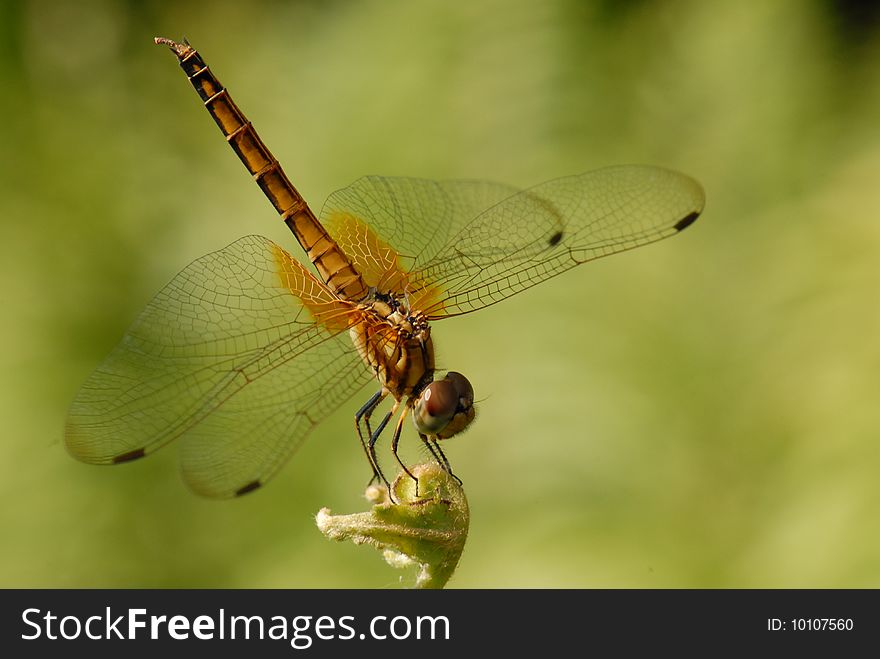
{"x":371,"y":449}
{"x":394,"y":442}
{"x":364,"y":414}
{"x":439,"y":456}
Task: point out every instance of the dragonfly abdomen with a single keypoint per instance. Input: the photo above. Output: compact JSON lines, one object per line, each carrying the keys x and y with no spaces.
{"x":335,"y":268}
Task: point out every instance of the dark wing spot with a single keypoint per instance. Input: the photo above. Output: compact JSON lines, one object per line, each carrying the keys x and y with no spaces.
{"x":250,"y":487}
{"x":686,"y":221}
{"x":554,"y":239}
{"x":128,"y":457}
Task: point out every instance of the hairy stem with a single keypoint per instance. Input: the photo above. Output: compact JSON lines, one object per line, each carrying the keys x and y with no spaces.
{"x":428,"y":531}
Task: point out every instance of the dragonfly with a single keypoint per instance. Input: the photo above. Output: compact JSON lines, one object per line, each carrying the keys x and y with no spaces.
{"x":247,"y":350}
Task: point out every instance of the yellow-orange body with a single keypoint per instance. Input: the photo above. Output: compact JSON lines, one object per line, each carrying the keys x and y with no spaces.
{"x":395,"y":345}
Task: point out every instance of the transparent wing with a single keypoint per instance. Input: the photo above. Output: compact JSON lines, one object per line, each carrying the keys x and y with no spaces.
{"x":393,"y":226}
{"x":241,"y":355}
{"x":465,"y":245}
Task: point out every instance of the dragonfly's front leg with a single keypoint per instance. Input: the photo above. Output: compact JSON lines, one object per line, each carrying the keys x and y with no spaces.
{"x":371,"y":449}
{"x":434,"y":447}
{"x":394,"y":442}
{"x":364,"y":414}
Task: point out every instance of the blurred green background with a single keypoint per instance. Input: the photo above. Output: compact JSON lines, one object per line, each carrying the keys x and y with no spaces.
{"x":699,"y":413}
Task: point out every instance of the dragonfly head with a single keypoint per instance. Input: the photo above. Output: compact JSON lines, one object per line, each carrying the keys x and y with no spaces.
{"x":445,"y":407}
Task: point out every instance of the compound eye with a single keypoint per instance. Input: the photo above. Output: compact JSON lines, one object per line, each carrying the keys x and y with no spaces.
{"x":435,"y":407}
{"x":446,"y":407}
{"x":463,"y":389}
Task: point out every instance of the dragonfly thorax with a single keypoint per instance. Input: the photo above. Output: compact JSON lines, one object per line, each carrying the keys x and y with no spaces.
{"x":395,"y":345}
